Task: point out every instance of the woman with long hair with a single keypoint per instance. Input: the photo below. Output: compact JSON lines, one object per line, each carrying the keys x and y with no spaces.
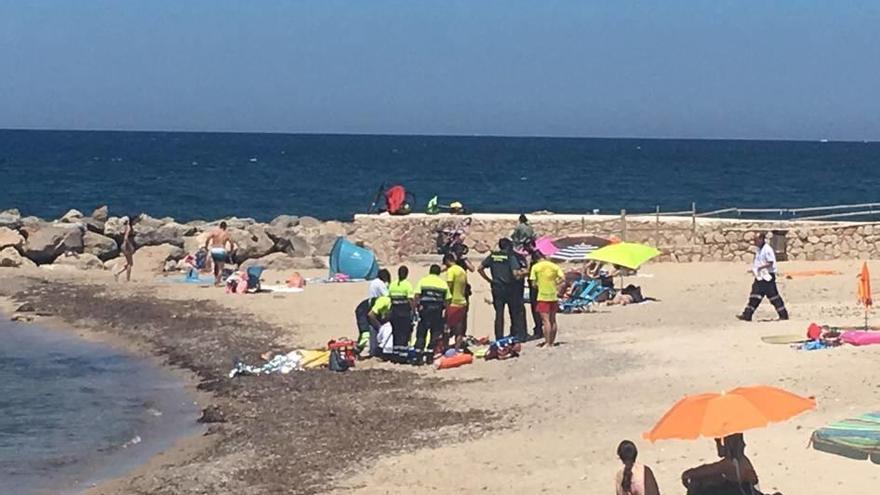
{"x":127,"y":247}
{"x":634,"y":478}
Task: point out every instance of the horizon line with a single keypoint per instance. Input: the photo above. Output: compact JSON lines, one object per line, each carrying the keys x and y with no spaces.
{"x":433,"y":135}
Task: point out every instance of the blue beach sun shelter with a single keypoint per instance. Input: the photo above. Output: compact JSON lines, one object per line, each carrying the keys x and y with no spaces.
{"x":350,"y":259}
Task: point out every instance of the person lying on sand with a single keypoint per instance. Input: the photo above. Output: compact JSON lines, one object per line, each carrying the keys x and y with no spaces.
{"x":219,"y":244}
{"x":634,"y":479}
{"x":732,"y":475}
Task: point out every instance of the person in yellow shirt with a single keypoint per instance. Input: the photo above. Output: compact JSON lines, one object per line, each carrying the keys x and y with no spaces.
{"x":546,"y":276}
{"x":402,"y":302}
{"x":456,"y":313}
{"x":379,"y":315}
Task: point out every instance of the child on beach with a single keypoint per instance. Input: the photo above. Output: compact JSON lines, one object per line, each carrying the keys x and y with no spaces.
{"x":634,"y":479}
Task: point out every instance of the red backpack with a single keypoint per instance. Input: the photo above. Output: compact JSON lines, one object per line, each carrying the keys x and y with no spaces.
{"x":395,"y":198}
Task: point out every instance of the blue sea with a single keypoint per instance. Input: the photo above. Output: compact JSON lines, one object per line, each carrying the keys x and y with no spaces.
{"x":74,"y":413}
{"x":210,"y":175}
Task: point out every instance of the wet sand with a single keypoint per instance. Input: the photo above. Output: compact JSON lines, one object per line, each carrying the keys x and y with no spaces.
{"x":548,"y":421}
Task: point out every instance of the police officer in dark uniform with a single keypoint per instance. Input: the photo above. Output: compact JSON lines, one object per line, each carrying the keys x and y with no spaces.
{"x":508,"y":272}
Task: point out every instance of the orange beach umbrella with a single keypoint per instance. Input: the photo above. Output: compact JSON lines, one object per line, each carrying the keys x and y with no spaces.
{"x":865,"y":287}
{"x":716,"y":415}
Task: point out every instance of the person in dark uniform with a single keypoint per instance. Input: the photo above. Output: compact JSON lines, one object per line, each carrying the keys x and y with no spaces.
{"x":764,"y":285}
{"x":432,"y":296}
{"x":367,"y":333}
{"x":402,"y":303}
{"x":507,"y":288}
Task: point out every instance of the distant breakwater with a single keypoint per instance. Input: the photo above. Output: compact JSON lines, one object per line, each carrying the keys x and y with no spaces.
{"x":290,"y":242}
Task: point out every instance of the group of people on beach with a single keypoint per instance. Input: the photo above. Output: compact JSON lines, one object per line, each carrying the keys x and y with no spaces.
{"x":732,"y":474}
{"x":438,"y":305}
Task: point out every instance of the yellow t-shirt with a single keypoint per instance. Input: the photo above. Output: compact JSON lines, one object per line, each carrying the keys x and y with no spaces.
{"x":546,"y":276}
{"x":456,"y":276}
{"x":401,"y":289}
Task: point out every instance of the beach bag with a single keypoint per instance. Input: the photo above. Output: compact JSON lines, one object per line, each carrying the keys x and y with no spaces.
{"x":505,"y":348}
{"x":338,"y":362}
{"x":346,"y":349}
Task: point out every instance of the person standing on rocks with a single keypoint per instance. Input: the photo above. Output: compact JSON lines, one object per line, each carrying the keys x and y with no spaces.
{"x":128,"y":248}
{"x":219,"y":244}
{"x":764,"y":271}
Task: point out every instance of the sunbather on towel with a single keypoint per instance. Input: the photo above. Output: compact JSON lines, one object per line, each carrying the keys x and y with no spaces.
{"x":219,"y":244}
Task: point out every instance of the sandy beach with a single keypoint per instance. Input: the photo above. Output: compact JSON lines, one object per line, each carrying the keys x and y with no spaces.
{"x":548,"y":421}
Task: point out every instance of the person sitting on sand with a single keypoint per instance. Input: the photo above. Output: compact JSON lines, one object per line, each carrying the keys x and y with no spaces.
{"x":634,"y":479}
{"x":219,"y":244}
{"x":379,"y":285}
{"x":546,"y":277}
{"x":732,"y":475}
{"x":127,"y":247}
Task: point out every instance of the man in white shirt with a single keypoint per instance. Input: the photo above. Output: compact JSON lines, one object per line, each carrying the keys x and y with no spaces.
{"x":764,"y":270}
{"x":379,"y":286}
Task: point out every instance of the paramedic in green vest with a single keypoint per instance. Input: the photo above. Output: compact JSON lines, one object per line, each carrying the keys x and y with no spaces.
{"x":379,"y":314}
{"x":402,"y":305}
{"x":432,"y":297}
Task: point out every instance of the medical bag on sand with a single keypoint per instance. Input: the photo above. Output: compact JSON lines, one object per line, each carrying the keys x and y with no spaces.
{"x":342,"y":354}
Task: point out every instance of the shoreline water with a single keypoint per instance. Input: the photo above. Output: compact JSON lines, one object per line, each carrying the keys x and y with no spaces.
{"x":247,"y":442}
{"x":100,"y":473}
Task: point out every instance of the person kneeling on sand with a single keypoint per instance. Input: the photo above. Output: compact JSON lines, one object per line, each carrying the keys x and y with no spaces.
{"x":634,"y":479}
{"x":732,"y":475}
{"x":219,"y":244}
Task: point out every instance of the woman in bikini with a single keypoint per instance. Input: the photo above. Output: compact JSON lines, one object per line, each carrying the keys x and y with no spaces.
{"x":128,"y":248}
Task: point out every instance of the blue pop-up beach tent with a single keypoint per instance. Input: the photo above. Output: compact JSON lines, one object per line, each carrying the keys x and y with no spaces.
{"x":352,"y":260}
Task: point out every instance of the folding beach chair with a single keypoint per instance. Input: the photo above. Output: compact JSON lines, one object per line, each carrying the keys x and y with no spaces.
{"x":584,"y":294}
{"x":254,"y":273}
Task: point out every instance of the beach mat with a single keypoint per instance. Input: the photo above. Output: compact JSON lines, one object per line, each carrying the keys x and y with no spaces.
{"x":793,"y":338}
{"x":854,"y":438}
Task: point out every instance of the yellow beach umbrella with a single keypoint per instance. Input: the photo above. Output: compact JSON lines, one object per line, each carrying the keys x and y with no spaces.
{"x":626,"y":254}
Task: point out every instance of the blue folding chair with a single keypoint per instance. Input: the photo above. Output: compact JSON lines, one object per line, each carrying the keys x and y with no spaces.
{"x":584,"y":293}
{"x":254,"y":273}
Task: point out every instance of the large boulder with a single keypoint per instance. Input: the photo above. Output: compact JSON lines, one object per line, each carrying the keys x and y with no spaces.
{"x":153,"y":258}
{"x":10,"y":219}
{"x":10,"y":238}
{"x":191,"y":244}
{"x":72,"y":216}
{"x":285,"y":221}
{"x":251,"y":243}
{"x":101,"y":246}
{"x":47,"y":241}
{"x":114,"y":227}
{"x":83,"y":261}
{"x":10,"y":258}
{"x":309,"y":222}
{"x":334,"y":228}
{"x":283,"y":262}
{"x":169,"y":233}
{"x":234,"y":223}
{"x":101,"y":213}
{"x":288,"y":241}
{"x":322,"y":244}
{"x":145,"y":220}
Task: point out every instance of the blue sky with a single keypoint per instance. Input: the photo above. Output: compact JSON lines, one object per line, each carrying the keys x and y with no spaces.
{"x":738,"y":69}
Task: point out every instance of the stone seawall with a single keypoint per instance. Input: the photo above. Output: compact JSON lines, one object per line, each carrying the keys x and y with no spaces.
{"x":681,"y":239}
{"x":290,"y":242}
